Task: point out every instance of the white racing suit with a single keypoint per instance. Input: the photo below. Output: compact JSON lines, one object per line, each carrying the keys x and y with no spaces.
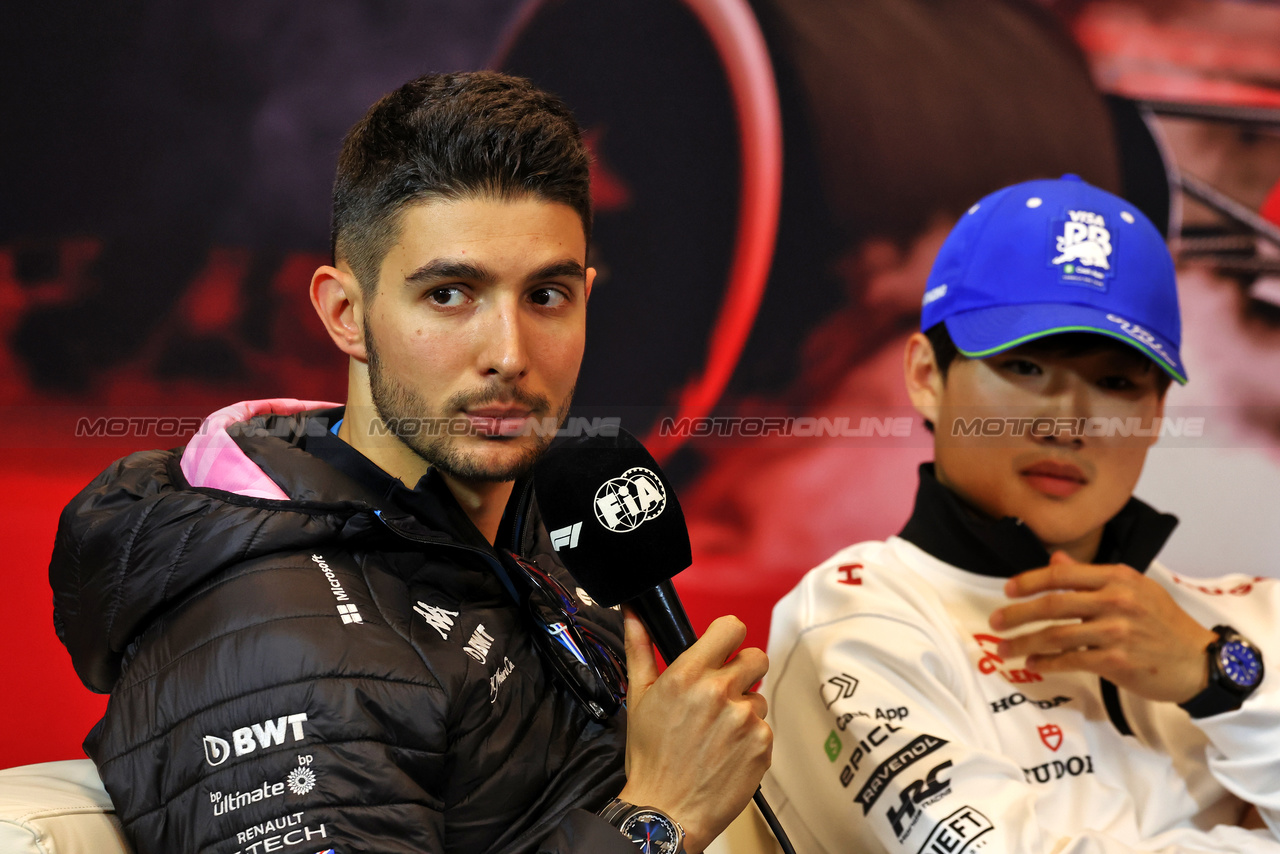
{"x":898,"y":728}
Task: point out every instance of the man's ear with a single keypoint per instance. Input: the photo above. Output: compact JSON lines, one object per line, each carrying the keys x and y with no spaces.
{"x":337,"y":298}
{"x":924,"y":379}
{"x":591,"y":280}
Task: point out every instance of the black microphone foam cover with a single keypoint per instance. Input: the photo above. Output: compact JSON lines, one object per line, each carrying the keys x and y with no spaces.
{"x":613,"y":517}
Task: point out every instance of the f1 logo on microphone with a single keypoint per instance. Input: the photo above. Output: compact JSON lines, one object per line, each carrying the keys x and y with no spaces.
{"x":566,"y":537}
{"x":627,"y":502}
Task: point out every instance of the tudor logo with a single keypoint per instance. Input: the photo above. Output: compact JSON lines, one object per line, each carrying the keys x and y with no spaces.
{"x":627,"y":502}
{"x":1051,"y":735}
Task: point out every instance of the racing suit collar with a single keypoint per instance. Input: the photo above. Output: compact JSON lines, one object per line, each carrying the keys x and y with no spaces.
{"x":946,"y":527}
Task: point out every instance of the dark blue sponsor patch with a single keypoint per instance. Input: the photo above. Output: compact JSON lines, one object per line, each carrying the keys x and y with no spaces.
{"x":920,"y":747}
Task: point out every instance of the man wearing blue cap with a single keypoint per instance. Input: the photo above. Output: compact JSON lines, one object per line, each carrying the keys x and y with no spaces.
{"x":1013,"y":671}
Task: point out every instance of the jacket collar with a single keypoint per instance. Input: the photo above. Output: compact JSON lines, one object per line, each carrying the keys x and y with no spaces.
{"x":313,"y":464}
{"x":949,"y":529}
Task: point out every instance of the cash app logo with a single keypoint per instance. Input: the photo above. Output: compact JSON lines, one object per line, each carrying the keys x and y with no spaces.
{"x":832,"y":746}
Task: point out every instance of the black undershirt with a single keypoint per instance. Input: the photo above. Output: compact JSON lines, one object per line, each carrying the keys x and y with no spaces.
{"x":943,"y":525}
{"x":430,"y":501}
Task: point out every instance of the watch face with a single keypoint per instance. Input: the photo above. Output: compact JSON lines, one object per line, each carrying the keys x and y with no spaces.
{"x":653,"y":832}
{"x":1240,"y":663}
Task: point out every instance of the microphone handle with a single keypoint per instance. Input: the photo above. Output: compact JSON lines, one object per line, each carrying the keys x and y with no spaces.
{"x":660,"y":610}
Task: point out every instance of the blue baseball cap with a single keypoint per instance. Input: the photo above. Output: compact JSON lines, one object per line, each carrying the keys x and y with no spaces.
{"x":1046,"y":257}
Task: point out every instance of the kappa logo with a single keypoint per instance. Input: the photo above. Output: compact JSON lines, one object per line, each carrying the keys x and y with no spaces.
{"x":566,"y":537}
{"x":838,"y":687}
{"x":437,"y":618}
{"x":250,"y":738}
{"x":1084,"y":241}
{"x":1051,"y":735}
{"x":479,"y":645}
{"x":627,"y":502}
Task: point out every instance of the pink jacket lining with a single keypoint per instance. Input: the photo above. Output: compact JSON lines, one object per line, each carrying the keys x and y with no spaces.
{"x":213,"y":460}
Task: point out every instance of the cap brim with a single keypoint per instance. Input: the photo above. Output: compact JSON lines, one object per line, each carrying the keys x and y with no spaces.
{"x":986,"y":332}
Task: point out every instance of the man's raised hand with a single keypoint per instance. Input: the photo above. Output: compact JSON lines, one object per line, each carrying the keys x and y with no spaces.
{"x":697,"y":743}
{"x":1126,"y":628}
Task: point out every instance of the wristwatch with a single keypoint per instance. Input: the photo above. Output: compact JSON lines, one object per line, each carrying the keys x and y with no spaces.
{"x":1235,"y":671}
{"x":651,"y":829}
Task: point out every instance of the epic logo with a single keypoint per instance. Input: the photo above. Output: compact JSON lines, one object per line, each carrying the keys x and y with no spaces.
{"x":878,"y":736}
{"x":250,"y":738}
{"x":625,"y":503}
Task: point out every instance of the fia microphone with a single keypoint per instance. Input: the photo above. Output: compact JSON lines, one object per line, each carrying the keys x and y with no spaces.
{"x":617,"y":525}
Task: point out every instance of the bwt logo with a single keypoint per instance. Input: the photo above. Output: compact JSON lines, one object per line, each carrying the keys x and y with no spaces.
{"x":627,"y":502}
{"x":250,"y":738}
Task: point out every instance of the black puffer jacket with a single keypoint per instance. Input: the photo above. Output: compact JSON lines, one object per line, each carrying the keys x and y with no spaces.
{"x":304,"y":673}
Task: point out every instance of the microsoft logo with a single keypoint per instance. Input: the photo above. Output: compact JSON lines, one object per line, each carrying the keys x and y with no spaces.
{"x":350,"y":614}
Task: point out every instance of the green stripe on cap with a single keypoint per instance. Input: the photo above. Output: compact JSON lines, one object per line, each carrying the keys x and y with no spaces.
{"x":1160,"y":360}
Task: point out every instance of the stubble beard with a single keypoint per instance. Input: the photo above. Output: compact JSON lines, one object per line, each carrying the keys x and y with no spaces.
{"x":398,"y":404}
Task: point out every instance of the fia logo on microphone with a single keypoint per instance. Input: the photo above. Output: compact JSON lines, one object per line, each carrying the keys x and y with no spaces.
{"x":627,"y":502}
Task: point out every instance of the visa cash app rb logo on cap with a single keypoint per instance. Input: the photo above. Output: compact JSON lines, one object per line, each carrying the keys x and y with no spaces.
{"x":1082,"y":248}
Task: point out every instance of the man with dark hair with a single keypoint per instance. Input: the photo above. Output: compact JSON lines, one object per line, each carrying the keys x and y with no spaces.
{"x":320,"y":625}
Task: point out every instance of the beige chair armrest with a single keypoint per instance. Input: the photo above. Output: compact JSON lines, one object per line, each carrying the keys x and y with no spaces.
{"x":748,"y":834}
{"x":57,"y":808}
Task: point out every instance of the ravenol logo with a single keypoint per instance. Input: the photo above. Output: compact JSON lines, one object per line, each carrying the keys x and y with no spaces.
{"x":627,"y":502}
{"x":1083,"y":249}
